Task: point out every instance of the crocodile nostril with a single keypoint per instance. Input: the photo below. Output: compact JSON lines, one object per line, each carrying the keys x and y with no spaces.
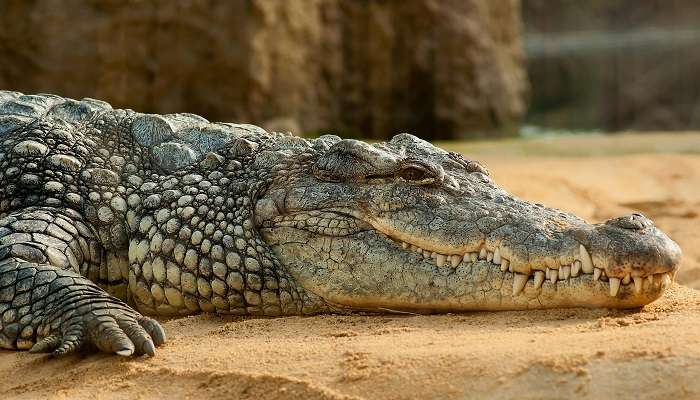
{"x":635,"y":221}
{"x":642,"y":218}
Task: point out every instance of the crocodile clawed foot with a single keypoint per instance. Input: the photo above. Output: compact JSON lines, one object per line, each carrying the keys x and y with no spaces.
{"x":119,"y":330}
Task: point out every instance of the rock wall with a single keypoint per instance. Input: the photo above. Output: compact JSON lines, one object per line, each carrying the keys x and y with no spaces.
{"x":437,"y":68}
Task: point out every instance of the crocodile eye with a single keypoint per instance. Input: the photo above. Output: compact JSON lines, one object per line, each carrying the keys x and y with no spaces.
{"x":416,"y":174}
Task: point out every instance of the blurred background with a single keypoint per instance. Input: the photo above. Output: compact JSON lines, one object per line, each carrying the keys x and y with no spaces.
{"x":613,"y":65}
{"x":544,"y":81}
{"x":442,"y":69}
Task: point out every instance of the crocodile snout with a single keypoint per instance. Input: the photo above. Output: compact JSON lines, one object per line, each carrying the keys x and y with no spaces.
{"x":632,"y":245}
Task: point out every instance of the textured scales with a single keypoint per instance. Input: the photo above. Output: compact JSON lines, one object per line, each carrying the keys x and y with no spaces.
{"x":105,"y":212}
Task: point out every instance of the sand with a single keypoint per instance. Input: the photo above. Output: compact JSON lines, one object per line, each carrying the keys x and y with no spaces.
{"x":652,"y":353}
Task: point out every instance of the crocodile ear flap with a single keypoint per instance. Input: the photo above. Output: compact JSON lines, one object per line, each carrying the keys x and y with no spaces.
{"x":353,"y":160}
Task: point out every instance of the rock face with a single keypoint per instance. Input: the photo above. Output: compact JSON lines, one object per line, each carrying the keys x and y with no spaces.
{"x":440,"y":69}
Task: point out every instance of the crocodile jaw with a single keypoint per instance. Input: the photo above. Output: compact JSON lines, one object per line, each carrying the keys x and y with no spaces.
{"x":359,"y":266}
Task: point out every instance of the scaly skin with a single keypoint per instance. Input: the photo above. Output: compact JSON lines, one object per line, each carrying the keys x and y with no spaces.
{"x":174,"y":215}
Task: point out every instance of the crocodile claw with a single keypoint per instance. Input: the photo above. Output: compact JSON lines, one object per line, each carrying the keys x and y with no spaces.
{"x":120,"y":331}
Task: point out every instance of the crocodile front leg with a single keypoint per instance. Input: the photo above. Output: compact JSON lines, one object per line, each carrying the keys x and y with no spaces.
{"x":46,"y":308}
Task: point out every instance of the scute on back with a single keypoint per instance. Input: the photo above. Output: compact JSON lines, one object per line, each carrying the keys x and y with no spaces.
{"x":18,"y":110}
{"x":180,"y":140}
{"x":175,"y":140}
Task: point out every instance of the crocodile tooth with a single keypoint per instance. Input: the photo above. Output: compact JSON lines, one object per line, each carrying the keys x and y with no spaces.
{"x":575,"y":268}
{"x":596,"y":274}
{"x":455,"y":259}
{"x":482,"y":253}
{"x":519,"y":281}
{"x":586,"y":262}
{"x":489,"y":257}
{"x":505,"y":264}
{"x":404,"y":245}
{"x":626,"y":280}
{"x":419,"y":250}
{"x":497,"y":256}
{"x":614,"y":286}
{"x":473,"y":256}
{"x":637,"y":284}
{"x":564,"y":272}
{"x":440,"y":259}
{"x":539,"y":279}
{"x":466,"y":257}
{"x":665,"y":280}
{"x":650,"y":278}
{"x":553,"y":275}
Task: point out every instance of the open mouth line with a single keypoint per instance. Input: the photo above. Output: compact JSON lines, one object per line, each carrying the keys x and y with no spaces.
{"x":340,"y":223}
{"x":576,"y":270}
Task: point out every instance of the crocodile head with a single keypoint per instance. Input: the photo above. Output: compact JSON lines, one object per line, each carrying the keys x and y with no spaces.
{"x":404,"y":225}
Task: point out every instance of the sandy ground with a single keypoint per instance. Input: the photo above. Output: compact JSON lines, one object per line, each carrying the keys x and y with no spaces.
{"x":652,"y":353}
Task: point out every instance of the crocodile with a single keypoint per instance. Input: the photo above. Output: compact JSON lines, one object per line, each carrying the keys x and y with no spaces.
{"x":109,"y":217}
